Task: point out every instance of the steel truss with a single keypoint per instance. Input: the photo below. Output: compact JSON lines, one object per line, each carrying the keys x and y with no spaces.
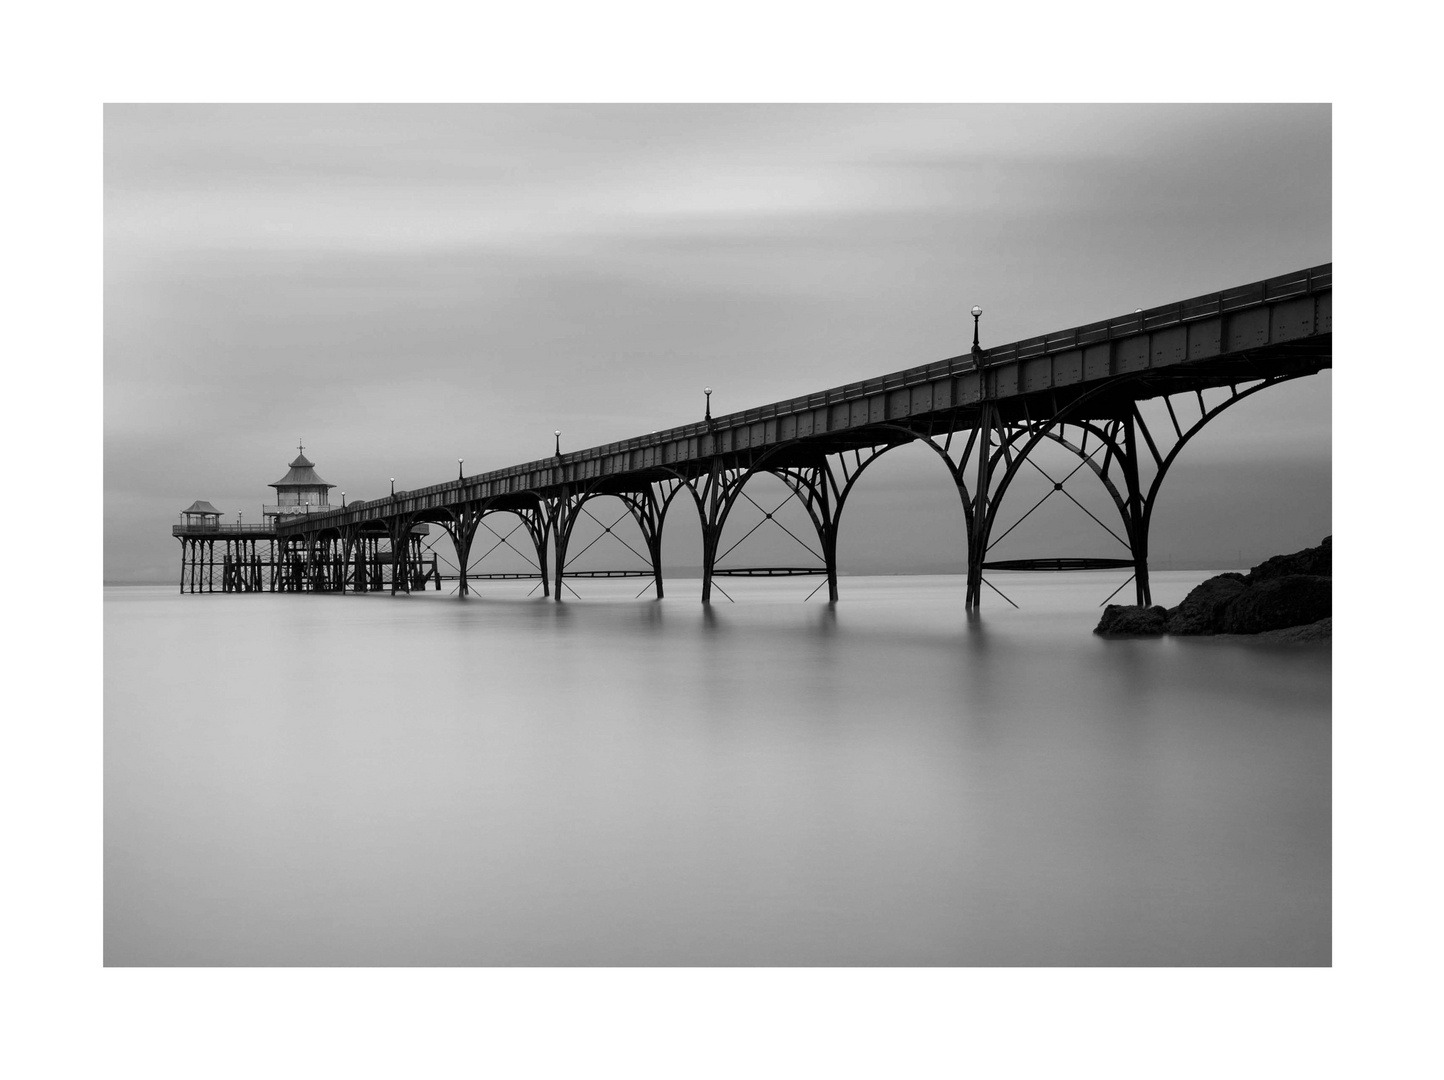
{"x":984,"y":447}
{"x":549,"y":520}
{"x":1123,"y":437}
{"x":464,"y":524}
{"x":812,"y":480}
{"x":646,"y":505}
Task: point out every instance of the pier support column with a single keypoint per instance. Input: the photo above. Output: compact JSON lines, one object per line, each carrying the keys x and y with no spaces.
{"x":817,"y":489}
{"x":563,"y":517}
{"x":467,"y":533}
{"x":710,"y":536}
{"x":400,"y":530}
{"x":462,"y":531}
{"x":311,"y":564}
{"x":649,"y":511}
{"x":654,"y":552}
{"x":1136,"y":518}
{"x":538,"y":528}
{"x":652,"y":533}
{"x":829,"y":554}
{"x":981,"y":510}
{"x":712,"y":505}
{"x":827,"y":519}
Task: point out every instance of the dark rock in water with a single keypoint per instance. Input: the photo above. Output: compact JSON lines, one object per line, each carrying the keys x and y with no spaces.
{"x":1323,"y":630}
{"x":1309,"y":634}
{"x":1292,"y":600}
{"x":1288,"y":598}
{"x":1314,"y":561}
{"x":1202,"y":609}
{"x":1120,"y":620}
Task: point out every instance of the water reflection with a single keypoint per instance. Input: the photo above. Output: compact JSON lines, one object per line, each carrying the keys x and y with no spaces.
{"x":887,"y":780}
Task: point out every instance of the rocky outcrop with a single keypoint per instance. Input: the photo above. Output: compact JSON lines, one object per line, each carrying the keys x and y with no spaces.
{"x":1293,"y":600}
{"x":1313,"y":562}
{"x":1288,"y":598}
{"x":1129,"y":620}
{"x":1203,"y":609}
{"x":1323,"y":630}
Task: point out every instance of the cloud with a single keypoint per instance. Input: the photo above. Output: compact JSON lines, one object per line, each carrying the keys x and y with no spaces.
{"x":408,"y":284}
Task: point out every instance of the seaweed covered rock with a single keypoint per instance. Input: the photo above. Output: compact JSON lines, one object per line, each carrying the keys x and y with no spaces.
{"x":1312,"y":562}
{"x":1202,"y":610}
{"x":1130,"y":620}
{"x":1291,"y":600}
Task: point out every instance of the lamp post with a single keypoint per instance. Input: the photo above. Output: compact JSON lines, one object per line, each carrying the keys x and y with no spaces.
{"x":343,"y":500}
{"x":558,"y":434}
{"x":977,"y":314}
{"x":393,"y":487}
{"x":458,"y":469}
{"x":708,"y":391}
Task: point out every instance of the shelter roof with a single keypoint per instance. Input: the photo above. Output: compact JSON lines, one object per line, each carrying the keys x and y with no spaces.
{"x":302,"y":474}
{"x":200,"y":506}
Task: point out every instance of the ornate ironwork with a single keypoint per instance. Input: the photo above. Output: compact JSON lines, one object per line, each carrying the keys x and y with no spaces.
{"x":983,"y":413}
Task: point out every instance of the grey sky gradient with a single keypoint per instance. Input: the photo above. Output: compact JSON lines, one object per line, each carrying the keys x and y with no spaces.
{"x":406,"y":285}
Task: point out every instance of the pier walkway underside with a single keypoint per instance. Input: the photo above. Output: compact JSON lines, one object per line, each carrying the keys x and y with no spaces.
{"x":982,"y":412}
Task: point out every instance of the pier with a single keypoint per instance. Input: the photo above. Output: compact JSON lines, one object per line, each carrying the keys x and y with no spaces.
{"x":982,"y":412}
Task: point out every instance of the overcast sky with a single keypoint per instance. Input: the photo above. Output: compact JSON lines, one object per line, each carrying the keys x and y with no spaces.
{"x":406,"y":285}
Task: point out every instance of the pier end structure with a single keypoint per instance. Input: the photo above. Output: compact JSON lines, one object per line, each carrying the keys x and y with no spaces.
{"x":222,"y":556}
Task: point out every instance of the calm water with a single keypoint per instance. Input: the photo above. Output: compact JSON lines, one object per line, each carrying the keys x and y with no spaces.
{"x":424,"y":781}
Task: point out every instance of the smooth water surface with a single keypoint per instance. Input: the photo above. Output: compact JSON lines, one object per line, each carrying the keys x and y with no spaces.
{"x":307,"y":780}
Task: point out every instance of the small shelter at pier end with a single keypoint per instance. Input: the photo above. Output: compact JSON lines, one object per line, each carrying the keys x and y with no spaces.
{"x":300,"y":491}
{"x":201,"y":513}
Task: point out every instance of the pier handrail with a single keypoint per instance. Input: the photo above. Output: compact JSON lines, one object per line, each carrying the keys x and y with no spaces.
{"x":1313,"y":279}
{"x":187,"y":530}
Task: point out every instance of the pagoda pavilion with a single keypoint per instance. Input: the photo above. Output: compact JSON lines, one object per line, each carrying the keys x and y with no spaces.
{"x":300,"y":491}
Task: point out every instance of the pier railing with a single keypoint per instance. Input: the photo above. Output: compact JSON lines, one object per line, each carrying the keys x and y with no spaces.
{"x":217,"y":530}
{"x":1228,"y":302}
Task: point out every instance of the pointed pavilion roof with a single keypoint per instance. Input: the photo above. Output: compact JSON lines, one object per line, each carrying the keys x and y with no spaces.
{"x":302,"y":474}
{"x":200,"y":506}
